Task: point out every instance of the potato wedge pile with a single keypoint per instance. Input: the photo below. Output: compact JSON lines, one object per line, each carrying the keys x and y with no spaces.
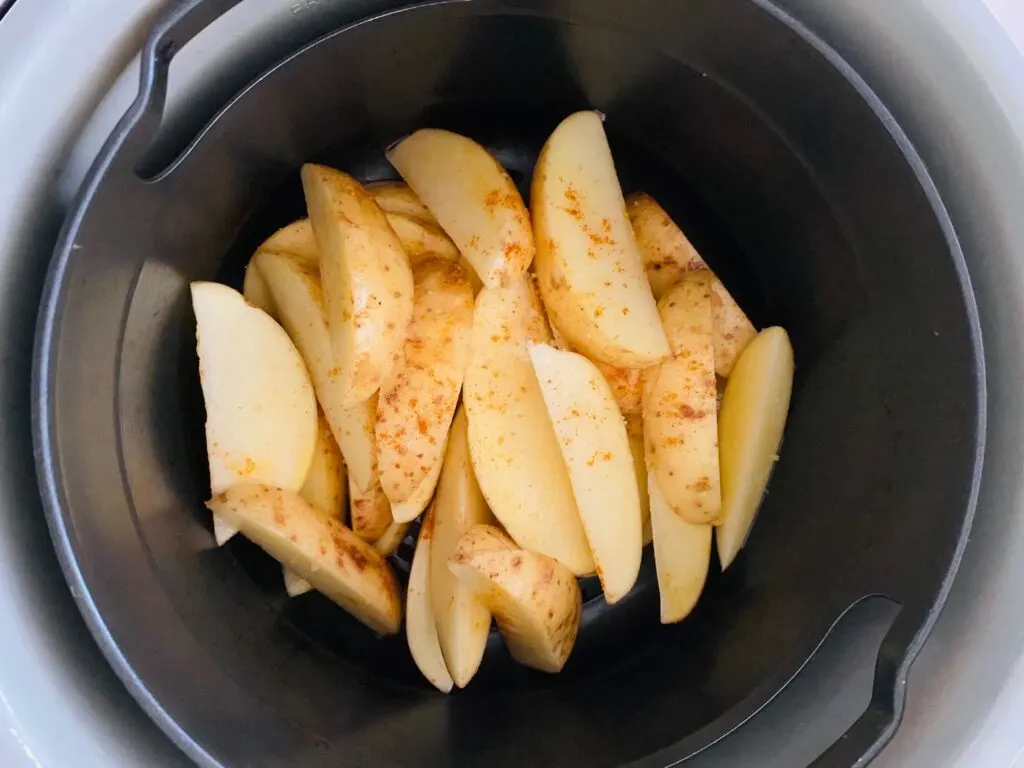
{"x":539,"y":388}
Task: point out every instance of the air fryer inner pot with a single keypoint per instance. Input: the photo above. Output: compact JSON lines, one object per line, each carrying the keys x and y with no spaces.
{"x":789,"y":178}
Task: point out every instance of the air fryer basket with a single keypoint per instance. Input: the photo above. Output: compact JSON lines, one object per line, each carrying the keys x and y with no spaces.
{"x":791,"y":179}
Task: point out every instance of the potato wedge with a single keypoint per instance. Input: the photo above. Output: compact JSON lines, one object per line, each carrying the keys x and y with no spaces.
{"x":680,"y":407}
{"x":535,"y":599}
{"x":366,"y":279}
{"x":295,"y":288}
{"x":256,"y":292}
{"x":417,"y":400}
{"x":590,"y":271}
{"x":388,"y":544}
{"x":626,"y":385}
{"x":294,"y":585}
{"x":223,"y":531}
{"x":260,"y":410}
{"x":317,"y":548}
{"x":682,"y":555}
{"x":396,"y":197}
{"x":422,"y":240}
{"x":750,"y":427}
{"x":668,"y":255}
{"x":296,"y":239}
{"x":515,"y":452}
{"x":595,"y":448}
{"x":369,"y":511}
{"x":463,"y":622}
{"x":326,"y":484}
{"x":420,"y":626}
{"x":473,"y":199}
{"x":636,"y":447}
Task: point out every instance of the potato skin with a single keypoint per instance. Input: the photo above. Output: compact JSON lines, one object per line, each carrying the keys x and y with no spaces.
{"x":317,"y":548}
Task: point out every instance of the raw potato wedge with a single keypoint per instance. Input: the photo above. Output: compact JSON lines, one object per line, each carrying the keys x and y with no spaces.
{"x":366,"y":278}
{"x":421,"y":240}
{"x":317,"y":548}
{"x":682,"y":555}
{"x":750,"y":427}
{"x":388,"y":544}
{"x":370,"y":512}
{"x":535,"y":599}
{"x":626,"y":386}
{"x":296,"y":239}
{"x":417,"y":400}
{"x":396,"y":197}
{"x":668,"y":255}
{"x":326,"y":484}
{"x":463,"y":622}
{"x":636,"y":447}
{"x":680,"y":406}
{"x":473,"y":199}
{"x":420,"y":626}
{"x":295,"y":287}
{"x":261,"y":418}
{"x":515,"y":452}
{"x":596,"y":452}
{"x":590,"y":271}
{"x":256,"y":292}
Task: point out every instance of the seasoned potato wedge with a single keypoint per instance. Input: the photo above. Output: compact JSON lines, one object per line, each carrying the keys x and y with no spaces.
{"x":463,"y":622}
{"x":636,"y":447}
{"x":535,"y":599}
{"x":417,"y":400}
{"x":317,"y":548}
{"x":515,"y":452}
{"x":420,"y":626}
{"x":595,"y":448}
{"x":256,"y":292}
{"x":422,"y":240}
{"x":682,"y":555}
{"x":680,"y":406}
{"x":369,"y":511}
{"x":396,"y":197}
{"x":750,"y":426}
{"x":261,"y":422}
{"x":388,"y":544}
{"x":366,"y":279}
{"x":626,"y":385}
{"x":590,"y":271}
{"x":473,"y":199}
{"x":295,"y":287}
{"x":296,"y":239}
{"x":326,"y":483}
{"x":668,"y":255}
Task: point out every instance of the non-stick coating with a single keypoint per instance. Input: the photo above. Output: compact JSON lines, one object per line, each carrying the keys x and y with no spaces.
{"x":792,"y":185}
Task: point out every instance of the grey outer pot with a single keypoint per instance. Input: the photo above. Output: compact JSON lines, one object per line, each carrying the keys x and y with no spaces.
{"x":956,"y":93}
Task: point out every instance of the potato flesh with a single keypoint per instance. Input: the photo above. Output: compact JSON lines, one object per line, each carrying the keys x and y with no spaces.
{"x":369,"y":511}
{"x":668,"y":255}
{"x":636,"y":447}
{"x":366,"y":279}
{"x":473,"y":199}
{"x":393,"y":537}
{"x":535,"y":600}
{"x":590,"y":270}
{"x":751,"y":424}
{"x":514,"y":450}
{"x":680,"y":406}
{"x":296,"y":239}
{"x":596,"y":452}
{"x":396,"y":197}
{"x":326,"y":483}
{"x":420,"y":625}
{"x":256,"y":292}
{"x":682,"y":554}
{"x":299,"y":297}
{"x":260,"y":407}
{"x":317,"y":548}
{"x":417,"y":400}
{"x":421,"y":240}
{"x":463,"y":622}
